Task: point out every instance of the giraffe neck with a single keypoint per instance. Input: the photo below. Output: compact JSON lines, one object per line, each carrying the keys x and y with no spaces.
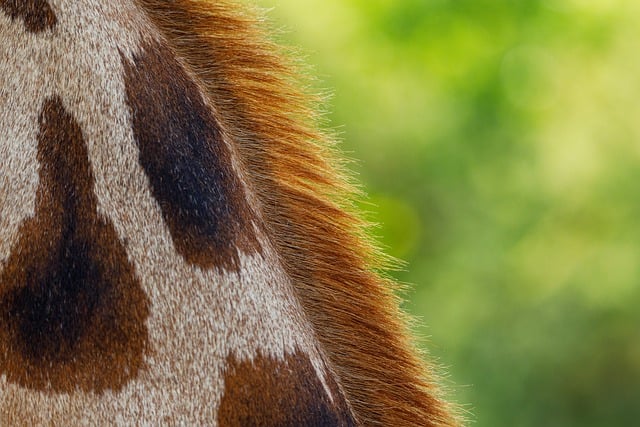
{"x":138,"y":276}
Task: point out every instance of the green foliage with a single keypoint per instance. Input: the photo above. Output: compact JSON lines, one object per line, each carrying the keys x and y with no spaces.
{"x":498,"y":140}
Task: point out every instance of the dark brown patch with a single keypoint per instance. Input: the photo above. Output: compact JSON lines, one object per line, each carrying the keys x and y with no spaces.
{"x":37,"y":15}
{"x":269,"y":392}
{"x":72,"y":314}
{"x":187,"y":162}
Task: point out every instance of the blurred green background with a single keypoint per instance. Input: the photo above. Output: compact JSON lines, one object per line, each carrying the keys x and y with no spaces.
{"x":499,"y":142}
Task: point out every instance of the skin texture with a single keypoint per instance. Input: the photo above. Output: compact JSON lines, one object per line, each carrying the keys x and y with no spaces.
{"x":60,"y":303}
{"x":202,"y":202}
{"x":287,"y":388}
{"x":176,"y":242}
{"x":37,"y":15}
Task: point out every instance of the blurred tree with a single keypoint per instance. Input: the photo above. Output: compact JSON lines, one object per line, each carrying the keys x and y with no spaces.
{"x":499,"y":143}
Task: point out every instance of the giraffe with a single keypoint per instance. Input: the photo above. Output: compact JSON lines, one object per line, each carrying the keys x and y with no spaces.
{"x":177,"y":241}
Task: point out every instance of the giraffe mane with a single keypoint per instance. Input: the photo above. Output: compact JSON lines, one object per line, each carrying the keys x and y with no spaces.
{"x":306,"y":200}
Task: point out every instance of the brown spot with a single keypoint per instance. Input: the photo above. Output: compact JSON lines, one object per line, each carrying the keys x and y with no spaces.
{"x":37,"y":15}
{"x":72,"y":313}
{"x":270,"y":392}
{"x":188,"y":164}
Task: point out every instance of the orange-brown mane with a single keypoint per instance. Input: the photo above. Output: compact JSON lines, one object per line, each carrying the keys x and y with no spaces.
{"x":305,"y":200}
